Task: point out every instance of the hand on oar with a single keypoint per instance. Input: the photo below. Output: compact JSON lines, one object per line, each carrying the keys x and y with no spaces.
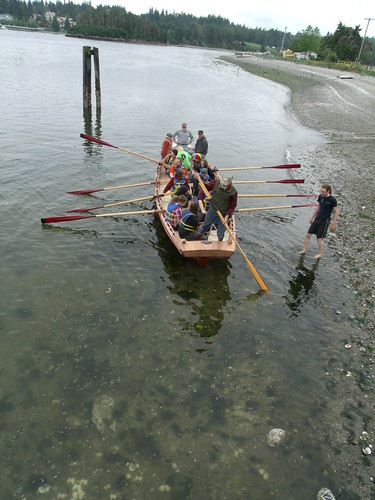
{"x":285,"y":181}
{"x":89,"y":191}
{"x":277,"y":196}
{"x":292,"y":165}
{"x":104,"y":143}
{"x":255,"y":209}
{"x":134,"y":200}
{"x":54,"y":220}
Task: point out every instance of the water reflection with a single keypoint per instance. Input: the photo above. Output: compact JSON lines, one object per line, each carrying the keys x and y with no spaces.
{"x":301,"y":286}
{"x":204,"y":290}
{"x":90,"y":147}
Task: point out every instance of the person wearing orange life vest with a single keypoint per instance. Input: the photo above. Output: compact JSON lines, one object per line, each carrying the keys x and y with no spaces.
{"x":177,"y":164}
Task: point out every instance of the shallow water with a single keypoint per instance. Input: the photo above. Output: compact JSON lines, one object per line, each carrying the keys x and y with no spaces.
{"x":187,"y":367}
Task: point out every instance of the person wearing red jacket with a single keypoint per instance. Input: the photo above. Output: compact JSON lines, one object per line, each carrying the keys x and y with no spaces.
{"x":166,"y":145}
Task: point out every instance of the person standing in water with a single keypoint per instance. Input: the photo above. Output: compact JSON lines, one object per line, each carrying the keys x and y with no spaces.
{"x":320,"y":221}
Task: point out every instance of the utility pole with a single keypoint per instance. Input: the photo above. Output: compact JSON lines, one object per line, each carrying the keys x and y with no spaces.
{"x":282,"y":43}
{"x":368,"y":19}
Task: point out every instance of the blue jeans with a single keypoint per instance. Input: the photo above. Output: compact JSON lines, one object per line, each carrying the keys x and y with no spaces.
{"x":213,"y":218}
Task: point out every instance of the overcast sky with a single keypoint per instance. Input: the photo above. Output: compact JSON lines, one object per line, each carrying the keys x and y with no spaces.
{"x":295,"y":15}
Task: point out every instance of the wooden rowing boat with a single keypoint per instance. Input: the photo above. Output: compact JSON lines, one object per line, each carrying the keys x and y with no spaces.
{"x":201,"y":250}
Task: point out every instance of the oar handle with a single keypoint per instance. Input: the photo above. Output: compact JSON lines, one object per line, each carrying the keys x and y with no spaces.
{"x":136,"y":212}
{"x":292,"y":165}
{"x":255,"y":209}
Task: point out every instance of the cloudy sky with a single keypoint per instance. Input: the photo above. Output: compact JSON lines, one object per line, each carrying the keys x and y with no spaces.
{"x":296,"y":16}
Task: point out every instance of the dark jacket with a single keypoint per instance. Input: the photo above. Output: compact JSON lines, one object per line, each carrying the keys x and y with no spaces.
{"x":201,"y":146}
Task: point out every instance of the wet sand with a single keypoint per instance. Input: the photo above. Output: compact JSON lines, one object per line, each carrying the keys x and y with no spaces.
{"x":343,"y":109}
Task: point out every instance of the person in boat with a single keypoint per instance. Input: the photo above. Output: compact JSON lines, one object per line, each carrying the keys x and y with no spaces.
{"x":203,"y":205}
{"x":320,"y":221}
{"x":166,"y":145}
{"x":185,"y":190}
{"x":223,"y":199}
{"x":174,"y":210}
{"x":168,"y":161}
{"x":183,"y":137}
{"x":198,"y":163}
{"x":185,"y":158}
{"x":201,"y":145}
{"x":177,"y":181}
{"x":176,"y":166}
{"x":203,"y":175}
{"x":188,"y":228}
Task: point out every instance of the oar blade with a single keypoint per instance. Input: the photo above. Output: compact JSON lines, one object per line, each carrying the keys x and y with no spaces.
{"x":54,"y":220}
{"x":290,"y":181}
{"x":292,"y":165}
{"x":98,"y":141}
{"x":85,"y":191}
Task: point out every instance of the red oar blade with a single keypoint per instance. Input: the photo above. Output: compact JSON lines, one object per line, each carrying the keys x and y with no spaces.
{"x":85,"y":191}
{"x":54,"y":220}
{"x":98,"y":141}
{"x":292,"y":165}
{"x":290,"y":181}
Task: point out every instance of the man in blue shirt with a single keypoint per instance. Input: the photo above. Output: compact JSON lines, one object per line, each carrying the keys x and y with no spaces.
{"x":319,"y":222}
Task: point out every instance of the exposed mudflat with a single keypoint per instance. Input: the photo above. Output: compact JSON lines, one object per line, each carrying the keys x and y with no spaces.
{"x":343,"y":109}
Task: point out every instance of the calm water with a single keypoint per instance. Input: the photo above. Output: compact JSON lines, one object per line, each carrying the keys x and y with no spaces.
{"x":126,"y":370}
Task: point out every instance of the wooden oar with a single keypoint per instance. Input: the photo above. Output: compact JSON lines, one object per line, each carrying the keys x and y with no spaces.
{"x":277,"y":195}
{"x":110,"y":205}
{"x":89,"y":191}
{"x":53,"y":220}
{"x":104,"y":143}
{"x":254,"y":272}
{"x":292,"y":165}
{"x":285,"y":181}
{"x":274,"y":208}
{"x":134,"y":200}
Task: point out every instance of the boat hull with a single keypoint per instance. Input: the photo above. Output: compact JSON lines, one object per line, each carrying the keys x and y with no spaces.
{"x":201,"y":250}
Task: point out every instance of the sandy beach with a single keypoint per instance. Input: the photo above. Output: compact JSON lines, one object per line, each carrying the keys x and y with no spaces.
{"x":341,"y":106}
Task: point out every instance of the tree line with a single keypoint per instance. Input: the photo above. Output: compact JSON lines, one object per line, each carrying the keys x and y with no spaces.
{"x":185,"y":29}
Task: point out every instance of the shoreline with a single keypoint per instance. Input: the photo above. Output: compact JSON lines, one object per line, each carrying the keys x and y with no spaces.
{"x":343,"y":110}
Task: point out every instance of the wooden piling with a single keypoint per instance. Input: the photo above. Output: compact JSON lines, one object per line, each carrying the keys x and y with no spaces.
{"x":87,"y":76}
{"x":95,"y":52}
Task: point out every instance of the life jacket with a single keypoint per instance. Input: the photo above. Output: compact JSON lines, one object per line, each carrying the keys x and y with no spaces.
{"x":184,"y":217}
{"x":206,"y":203}
{"x":170,"y":215}
{"x":177,"y":184}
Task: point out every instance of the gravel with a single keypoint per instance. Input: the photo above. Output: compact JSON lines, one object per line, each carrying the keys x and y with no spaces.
{"x":341,"y":105}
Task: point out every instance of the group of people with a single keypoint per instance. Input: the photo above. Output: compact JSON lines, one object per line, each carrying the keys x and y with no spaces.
{"x":192,"y":213}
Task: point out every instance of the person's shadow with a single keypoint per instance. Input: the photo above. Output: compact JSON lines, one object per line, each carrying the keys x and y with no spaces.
{"x":301,"y":286}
